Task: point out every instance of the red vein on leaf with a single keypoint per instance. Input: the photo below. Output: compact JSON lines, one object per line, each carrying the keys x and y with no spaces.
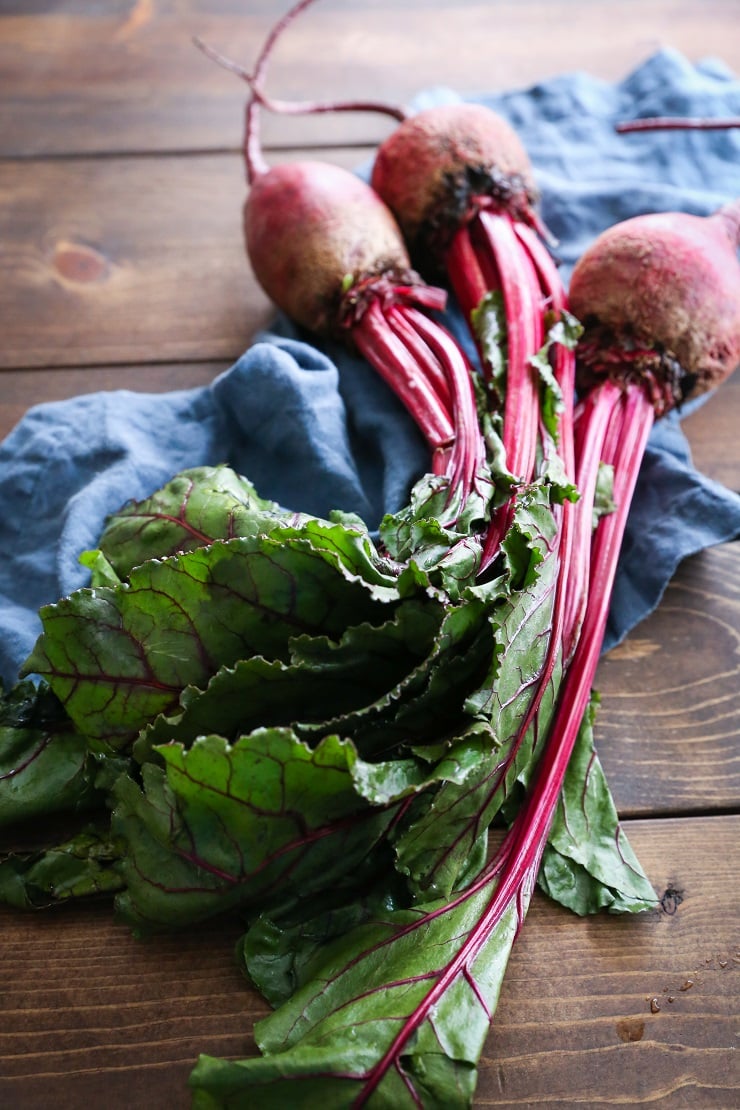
{"x":27,"y":762}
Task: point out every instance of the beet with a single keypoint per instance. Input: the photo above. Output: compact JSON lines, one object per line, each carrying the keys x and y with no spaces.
{"x":439,"y":167}
{"x":307,"y":225}
{"x":659,"y":298}
{"x":460,"y":184}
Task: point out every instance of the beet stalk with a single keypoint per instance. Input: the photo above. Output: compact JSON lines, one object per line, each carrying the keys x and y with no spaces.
{"x":677,"y":123}
{"x":460,"y":184}
{"x":618,"y":418}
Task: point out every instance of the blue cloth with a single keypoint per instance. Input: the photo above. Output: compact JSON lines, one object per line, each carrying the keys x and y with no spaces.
{"x":314,"y":427}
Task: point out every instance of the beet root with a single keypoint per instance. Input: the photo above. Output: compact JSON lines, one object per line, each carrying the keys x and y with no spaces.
{"x":440,"y":165}
{"x":309,"y":228}
{"x":328,"y":252}
{"x":659,"y":298}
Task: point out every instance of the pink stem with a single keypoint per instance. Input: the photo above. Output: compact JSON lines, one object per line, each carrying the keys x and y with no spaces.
{"x":253,"y":158}
{"x":468,"y":452}
{"x":399,"y":368}
{"x":254,"y":161}
{"x":317,"y":107}
{"x":401,"y":326}
{"x":465,"y":274}
{"x":565,"y":359}
{"x":517,"y":861}
{"x":296,"y":107}
{"x":524,"y":332}
{"x":676,"y":123}
{"x":595,"y":415}
{"x":522,"y":298}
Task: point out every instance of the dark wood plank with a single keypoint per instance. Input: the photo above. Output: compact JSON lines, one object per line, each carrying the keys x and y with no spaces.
{"x":127,"y":260}
{"x":575,"y":1025}
{"x":89,"y":1016}
{"x":716,"y":422}
{"x":669,"y":721}
{"x":20,"y":389}
{"x":122,"y":75}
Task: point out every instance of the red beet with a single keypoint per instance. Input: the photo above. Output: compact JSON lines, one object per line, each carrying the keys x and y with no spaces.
{"x":460,"y":184}
{"x":659,"y":297}
{"x":441,"y":166}
{"x":307,"y":225}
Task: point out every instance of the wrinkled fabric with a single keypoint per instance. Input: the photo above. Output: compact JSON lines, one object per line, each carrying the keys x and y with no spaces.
{"x":314,"y":428}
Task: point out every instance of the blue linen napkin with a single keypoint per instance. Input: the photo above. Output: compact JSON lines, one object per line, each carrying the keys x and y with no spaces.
{"x":315,"y":428}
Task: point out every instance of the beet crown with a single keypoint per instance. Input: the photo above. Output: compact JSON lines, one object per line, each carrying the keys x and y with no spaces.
{"x":442,"y":165}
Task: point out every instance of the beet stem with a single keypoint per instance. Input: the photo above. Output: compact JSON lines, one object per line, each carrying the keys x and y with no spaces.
{"x":398,"y":367}
{"x":297,"y":107}
{"x":466,"y":276}
{"x":592,"y":423}
{"x":676,"y":123}
{"x":525,"y":332}
{"x":514,"y":866}
{"x":406,"y":331}
{"x":253,"y":158}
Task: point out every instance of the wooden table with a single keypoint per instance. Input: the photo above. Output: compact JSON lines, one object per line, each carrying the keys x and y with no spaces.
{"x":122,"y":265}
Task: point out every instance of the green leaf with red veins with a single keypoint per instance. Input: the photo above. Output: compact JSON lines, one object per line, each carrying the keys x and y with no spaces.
{"x":195,"y":508}
{"x":350,"y":546}
{"x":118,"y":656}
{"x":241,"y":825}
{"x":325,"y":678}
{"x":45,"y":765}
{"x":427,"y":704}
{"x":433,"y":850}
{"x":282,"y":952}
{"x":395,"y":1016}
{"x":85,"y":866}
{"x":588,"y":864}
{"x":448,"y":555}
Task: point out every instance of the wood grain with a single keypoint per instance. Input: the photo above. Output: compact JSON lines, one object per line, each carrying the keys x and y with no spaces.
{"x":20,"y":390}
{"x":127,"y":260}
{"x":123,"y":75}
{"x":120,"y":262}
{"x":669,"y":721}
{"x":89,"y":1016}
{"x":575,"y":1024}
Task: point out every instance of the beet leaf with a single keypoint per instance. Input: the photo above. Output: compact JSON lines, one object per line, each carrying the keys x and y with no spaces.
{"x":118,"y":656}
{"x":45,"y":765}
